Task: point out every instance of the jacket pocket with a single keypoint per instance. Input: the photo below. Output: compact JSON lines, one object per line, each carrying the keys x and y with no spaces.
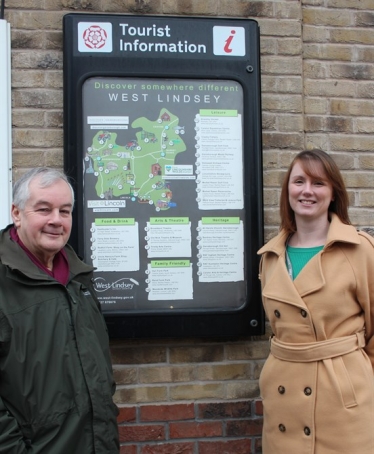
{"x":345,"y":384}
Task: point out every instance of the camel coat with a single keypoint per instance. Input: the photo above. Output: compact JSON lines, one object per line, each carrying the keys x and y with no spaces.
{"x":318,"y":384}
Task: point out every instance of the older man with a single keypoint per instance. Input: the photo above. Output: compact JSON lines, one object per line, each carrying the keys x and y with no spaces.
{"x":56,"y":382}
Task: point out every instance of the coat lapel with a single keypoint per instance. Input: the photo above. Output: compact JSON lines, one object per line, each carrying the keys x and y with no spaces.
{"x":280,"y":287}
{"x":310,"y":279}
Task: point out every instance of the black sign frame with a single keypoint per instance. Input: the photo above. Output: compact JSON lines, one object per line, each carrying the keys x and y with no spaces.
{"x":180,"y":60}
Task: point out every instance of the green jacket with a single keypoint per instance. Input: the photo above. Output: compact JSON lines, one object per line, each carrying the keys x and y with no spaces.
{"x":56,"y":381}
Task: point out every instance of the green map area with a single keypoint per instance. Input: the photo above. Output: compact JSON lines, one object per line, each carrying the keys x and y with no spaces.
{"x":136,"y":169}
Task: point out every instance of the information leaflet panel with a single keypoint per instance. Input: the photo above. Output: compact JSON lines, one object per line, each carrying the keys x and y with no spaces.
{"x":164,"y":197}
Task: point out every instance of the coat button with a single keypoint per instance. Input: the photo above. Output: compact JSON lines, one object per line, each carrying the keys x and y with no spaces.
{"x":306,"y":430}
{"x":308,"y":391}
{"x":282,"y":428}
{"x":277,"y":313}
{"x":303,"y":313}
{"x":281,"y":389}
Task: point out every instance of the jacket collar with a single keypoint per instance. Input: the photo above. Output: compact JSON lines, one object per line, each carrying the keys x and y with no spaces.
{"x":15,"y":258}
{"x":338,"y":232}
{"x":280,"y":287}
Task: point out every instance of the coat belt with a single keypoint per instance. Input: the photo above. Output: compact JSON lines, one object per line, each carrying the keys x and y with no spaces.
{"x":317,"y":351}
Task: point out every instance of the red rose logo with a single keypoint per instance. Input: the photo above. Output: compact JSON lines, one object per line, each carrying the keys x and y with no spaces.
{"x":95,"y":37}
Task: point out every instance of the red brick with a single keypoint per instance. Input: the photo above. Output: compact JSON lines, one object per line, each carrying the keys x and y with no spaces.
{"x":225,"y":447}
{"x":126,"y":414}
{"x":258,"y":445}
{"x":219,"y":410}
{"x":134,"y":433}
{"x":242,"y":428}
{"x":168,"y":448}
{"x":129,"y":449}
{"x":259,"y":407}
{"x":195,"y":429}
{"x":167,"y":412}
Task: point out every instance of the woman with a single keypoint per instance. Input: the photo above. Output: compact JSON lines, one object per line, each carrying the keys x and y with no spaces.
{"x":317,"y":278}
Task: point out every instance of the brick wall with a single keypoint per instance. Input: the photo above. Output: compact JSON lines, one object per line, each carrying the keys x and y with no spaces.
{"x":317,"y":78}
{"x":192,"y":395}
{"x":193,"y":427}
{"x":189,"y":396}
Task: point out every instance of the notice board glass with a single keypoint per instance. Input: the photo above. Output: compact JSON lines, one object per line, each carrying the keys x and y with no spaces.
{"x":164,"y":193}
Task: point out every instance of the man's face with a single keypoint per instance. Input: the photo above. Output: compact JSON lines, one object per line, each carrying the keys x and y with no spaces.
{"x":44,"y":225}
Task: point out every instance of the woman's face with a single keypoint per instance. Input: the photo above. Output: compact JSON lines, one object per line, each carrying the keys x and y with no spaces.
{"x":309,"y":197}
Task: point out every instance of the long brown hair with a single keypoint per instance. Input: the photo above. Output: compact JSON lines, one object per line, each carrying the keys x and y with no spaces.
{"x":308,"y":159}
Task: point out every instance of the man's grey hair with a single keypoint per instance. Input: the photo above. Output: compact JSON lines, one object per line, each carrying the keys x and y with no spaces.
{"x":47,"y":176}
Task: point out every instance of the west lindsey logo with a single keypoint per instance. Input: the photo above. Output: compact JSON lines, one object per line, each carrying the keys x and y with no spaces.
{"x":101,"y":285}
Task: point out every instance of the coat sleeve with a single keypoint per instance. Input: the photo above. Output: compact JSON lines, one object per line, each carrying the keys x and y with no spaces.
{"x":366,"y":292}
{"x":11,"y":438}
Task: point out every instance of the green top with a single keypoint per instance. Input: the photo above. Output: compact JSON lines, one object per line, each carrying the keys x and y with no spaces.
{"x":300,"y":256}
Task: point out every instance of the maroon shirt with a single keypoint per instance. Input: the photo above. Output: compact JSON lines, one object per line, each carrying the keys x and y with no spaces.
{"x":60,"y":270}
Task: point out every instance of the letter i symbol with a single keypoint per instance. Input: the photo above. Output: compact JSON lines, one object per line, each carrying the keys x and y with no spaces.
{"x":228,"y":41}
